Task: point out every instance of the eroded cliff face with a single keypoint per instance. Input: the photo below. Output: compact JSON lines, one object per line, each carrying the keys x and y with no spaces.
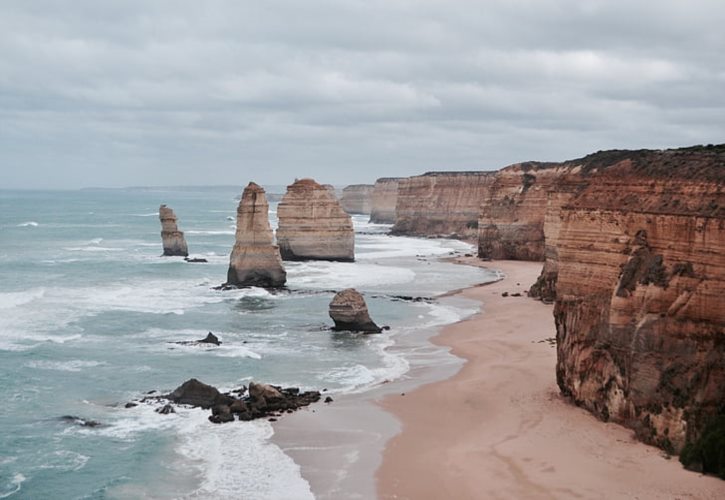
{"x":313,"y":225}
{"x":357,"y":199}
{"x":640,"y":314}
{"x":384,"y":200}
{"x":512,"y":218}
{"x":442,"y":204}
{"x":172,"y":239}
{"x":255,"y":260}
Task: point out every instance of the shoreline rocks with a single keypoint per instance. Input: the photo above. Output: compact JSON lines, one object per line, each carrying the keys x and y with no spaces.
{"x":350,"y":313}
{"x":172,"y":239}
{"x":313,"y":225}
{"x":255,"y":260}
{"x":257,"y":401}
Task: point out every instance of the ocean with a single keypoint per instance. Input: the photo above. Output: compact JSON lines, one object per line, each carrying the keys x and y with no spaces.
{"x":90,"y":313}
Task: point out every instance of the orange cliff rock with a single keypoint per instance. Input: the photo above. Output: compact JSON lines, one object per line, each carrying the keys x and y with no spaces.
{"x":313,"y":225}
{"x":640,"y":313}
{"x":384,"y":199}
{"x":441,"y":204}
{"x":255,"y":260}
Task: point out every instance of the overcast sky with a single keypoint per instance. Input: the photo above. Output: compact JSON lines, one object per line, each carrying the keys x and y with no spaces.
{"x":117,"y":93}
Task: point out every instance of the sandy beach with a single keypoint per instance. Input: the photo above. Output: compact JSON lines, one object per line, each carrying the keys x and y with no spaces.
{"x":500,"y":429}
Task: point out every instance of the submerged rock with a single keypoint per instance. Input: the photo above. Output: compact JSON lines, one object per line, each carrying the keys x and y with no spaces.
{"x":313,"y":225}
{"x":349,"y":312}
{"x":83,"y":422}
{"x":255,"y":260}
{"x":172,"y":239}
{"x":209,"y":339}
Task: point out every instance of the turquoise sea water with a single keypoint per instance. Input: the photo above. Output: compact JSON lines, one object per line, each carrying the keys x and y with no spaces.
{"x":89,"y":312}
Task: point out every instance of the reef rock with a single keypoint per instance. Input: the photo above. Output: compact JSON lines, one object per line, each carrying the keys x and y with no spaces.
{"x":639,"y":311}
{"x":383,"y":200}
{"x":349,"y":312}
{"x":357,"y":199}
{"x":255,"y":260}
{"x":172,"y":239}
{"x":442,"y":204}
{"x":195,"y":393}
{"x":313,"y":225}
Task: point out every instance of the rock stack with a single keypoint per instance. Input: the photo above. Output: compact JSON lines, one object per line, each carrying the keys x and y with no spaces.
{"x":357,"y":199}
{"x":171,"y":238}
{"x":255,"y":260}
{"x":384,"y":200}
{"x":313,"y":225}
{"x":349,"y":312}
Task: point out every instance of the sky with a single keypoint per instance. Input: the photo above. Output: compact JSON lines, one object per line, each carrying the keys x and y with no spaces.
{"x":118,"y":93}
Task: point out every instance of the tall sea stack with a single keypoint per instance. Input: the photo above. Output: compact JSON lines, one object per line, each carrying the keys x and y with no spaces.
{"x":255,"y":260}
{"x":383,"y":200}
{"x":313,"y":225}
{"x":357,"y":199}
{"x":171,"y":238}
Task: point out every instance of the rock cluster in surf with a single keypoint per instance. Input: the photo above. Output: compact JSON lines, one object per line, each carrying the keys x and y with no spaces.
{"x":256,"y":401}
{"x":172,"y":239}
{"x":313,"y":225}
{"x":255,"y":260}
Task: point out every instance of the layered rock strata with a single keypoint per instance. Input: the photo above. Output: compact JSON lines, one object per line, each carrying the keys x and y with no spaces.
{"x":442,"y":204}
{"x":255,"y":260}
{"x":639,"y":313}
{"x":350,"y":312}
{"x":357,"y":199}
{"x":313,"y":225}
{"x":384,"y":200}
{"x":511,"y":224}
{"x":172,"y":239}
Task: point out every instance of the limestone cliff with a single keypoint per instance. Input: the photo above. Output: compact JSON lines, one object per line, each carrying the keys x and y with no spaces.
{"x":511,"y":221}
{"x":442,"y":204}
{"x":313,"y":225}
{"x":172,"y":239}
{"x":640,"y":314}
{"x":255,"y":260}
{"x":384,"y":200}
{"x":357,"y":199}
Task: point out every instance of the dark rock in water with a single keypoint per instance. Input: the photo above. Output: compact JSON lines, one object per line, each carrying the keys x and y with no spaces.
{"x":210,"y":339}
{"x":195,"y":393}
{"x":263,"y":400}
{"x":349,"y":312}
{"x":505,"y":294}
{"x":130,"y":405}
{"x":71,"y":419}
{"x":328,"y":399}
{"x":195,"y":259}
{"x":165,"y":410}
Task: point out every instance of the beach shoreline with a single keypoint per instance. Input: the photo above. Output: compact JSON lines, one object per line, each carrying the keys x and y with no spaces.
{"x":499,"y":427}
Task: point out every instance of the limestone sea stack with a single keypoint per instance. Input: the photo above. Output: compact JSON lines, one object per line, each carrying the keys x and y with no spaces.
{"x":255,"y":260}
{"x":350,"y":313}
{"x":171,"y":238}
{"x":313,"y":225}
{"x":383,"y":200}
{"x":357,"y":199}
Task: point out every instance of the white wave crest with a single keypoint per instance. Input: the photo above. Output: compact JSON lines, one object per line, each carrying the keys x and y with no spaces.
{"x":28,"y":224}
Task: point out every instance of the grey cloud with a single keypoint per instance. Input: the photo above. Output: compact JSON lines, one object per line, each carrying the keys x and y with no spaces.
{"x":186,"y":92}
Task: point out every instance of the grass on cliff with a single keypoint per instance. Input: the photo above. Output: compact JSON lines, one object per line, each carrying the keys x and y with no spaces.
{"x":707,"y":454}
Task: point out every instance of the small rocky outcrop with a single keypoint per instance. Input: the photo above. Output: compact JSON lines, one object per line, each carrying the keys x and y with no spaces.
{"x":172,"y":239}
{"x":313,"y":225}
{"x":259,"y":401}
{"x":357,"y":199}
{"x":255,"y":260}
{"x":209,"y":339}
{"x":349,"y":312}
